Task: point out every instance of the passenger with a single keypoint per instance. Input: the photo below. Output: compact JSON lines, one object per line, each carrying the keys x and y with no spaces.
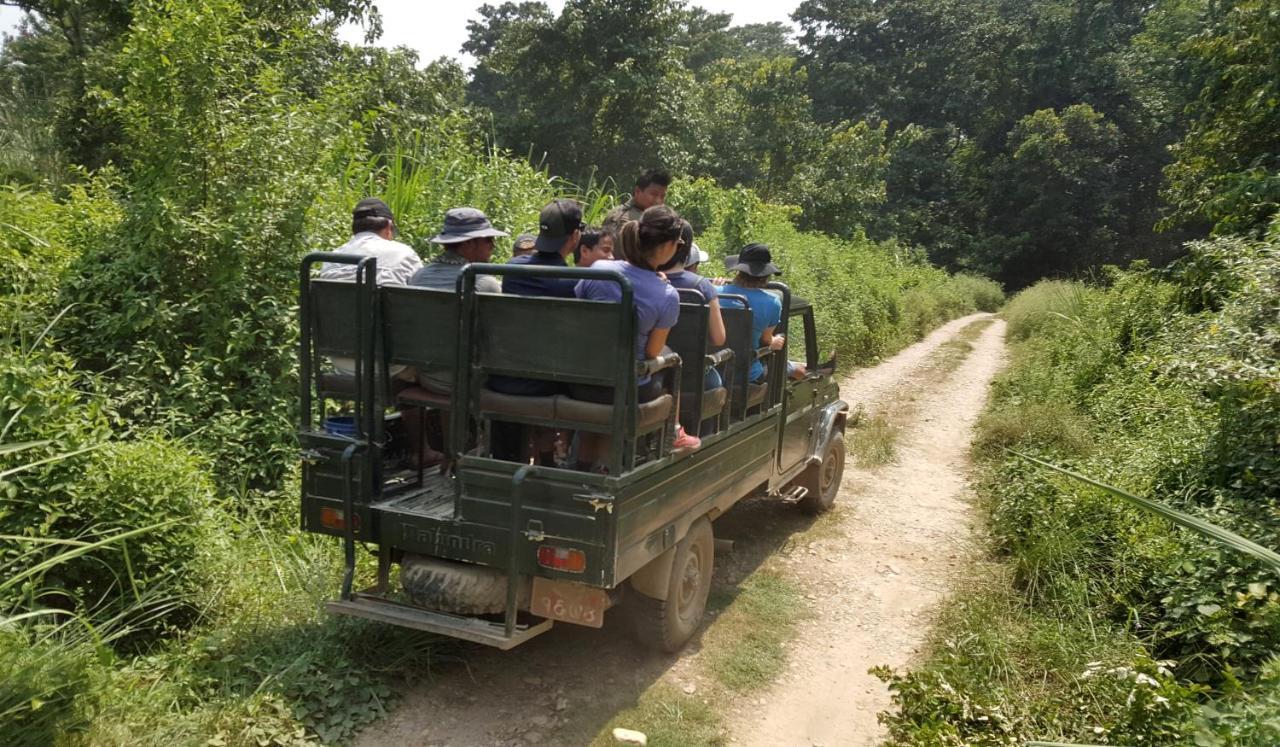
{"x":596,"y":244}
{"x":651,"y":189}
{"x":754,"y":266}
{"x":373,"y":229}
{"x":467,"y":236}
{"x":559,"y":230}
{"x":696,"y":258}
{"x":522,"y":246}
{"x":647,"y":243}
{"x":681,"y":277}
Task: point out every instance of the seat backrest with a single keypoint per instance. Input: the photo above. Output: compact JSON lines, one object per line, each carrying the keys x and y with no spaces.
{"x":335,"y":317}
{"x":738,"y":337}
{"x":555,"y":339}
{"x":688,"y":339}
{"x":420,"y":326}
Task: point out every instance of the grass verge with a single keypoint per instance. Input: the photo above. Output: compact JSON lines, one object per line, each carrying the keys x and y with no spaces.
{"x":742,"y":652}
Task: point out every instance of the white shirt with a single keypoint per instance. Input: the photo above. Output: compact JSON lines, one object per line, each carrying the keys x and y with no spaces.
{"x":396,"y":262}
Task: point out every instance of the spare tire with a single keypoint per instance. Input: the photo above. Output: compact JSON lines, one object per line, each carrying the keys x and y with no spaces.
{"x":460,"y":588}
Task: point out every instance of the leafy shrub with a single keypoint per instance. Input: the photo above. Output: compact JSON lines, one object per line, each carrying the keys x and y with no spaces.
{"x":986,"y":294}
{"x":129,"y":485}
{"x":1163,"y":384}
{"x":42,"y":682}
{"x":1043,"y":304}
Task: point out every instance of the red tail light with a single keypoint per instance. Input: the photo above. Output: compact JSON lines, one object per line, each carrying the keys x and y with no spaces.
{"x":562,"y":559}
{"x":334,"y":518}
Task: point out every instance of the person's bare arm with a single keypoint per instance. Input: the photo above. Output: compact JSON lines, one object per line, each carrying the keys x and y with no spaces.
{"x":716,"y":332}
{"x":656,"y":342}
{"x":772,"y":341}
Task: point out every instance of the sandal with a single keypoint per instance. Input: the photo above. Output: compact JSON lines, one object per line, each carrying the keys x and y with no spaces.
{"x":685,"y":442}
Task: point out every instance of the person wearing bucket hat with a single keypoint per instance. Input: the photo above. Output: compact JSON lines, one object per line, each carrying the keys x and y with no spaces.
{"x":467,"y":236}
{"x":373,"y":230}
{"x":559,"y":231}
{"x":754,"y":266}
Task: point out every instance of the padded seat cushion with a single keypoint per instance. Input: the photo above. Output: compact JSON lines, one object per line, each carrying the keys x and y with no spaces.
{"x":343,"y":386}
{"x":496,"y":403}
{"x":713,"y":401}
{"x":651,"y":413}
{"x":755,"y":393}
{"x":423,"y":397}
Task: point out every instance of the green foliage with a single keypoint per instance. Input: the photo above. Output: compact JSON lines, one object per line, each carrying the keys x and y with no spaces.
{"x":1227,"y":168}
{"x":42,"y":685}
{"x":1164,"y":385}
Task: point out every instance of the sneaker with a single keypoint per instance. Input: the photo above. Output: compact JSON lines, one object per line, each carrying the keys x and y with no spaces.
{"x":685,"y":442}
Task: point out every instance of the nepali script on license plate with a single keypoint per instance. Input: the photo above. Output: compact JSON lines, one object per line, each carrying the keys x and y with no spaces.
{"x":569,"y":602}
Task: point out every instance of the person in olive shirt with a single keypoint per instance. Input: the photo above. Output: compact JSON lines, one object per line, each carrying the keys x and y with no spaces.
{"x":650,"y":190}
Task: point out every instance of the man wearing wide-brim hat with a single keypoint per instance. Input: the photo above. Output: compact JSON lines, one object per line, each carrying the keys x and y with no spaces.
{"x":467,"y":236}
{"x":754,"y":266}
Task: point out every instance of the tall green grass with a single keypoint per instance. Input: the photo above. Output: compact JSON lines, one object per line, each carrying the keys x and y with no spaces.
{"x":1161,"y":389}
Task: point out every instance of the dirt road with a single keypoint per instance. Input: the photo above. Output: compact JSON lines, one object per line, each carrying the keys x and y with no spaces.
{"x":899,"y":530}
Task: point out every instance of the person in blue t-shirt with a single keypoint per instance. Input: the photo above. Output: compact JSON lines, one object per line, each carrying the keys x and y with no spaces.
{"x":754,"y":265}
{"x":647,"y":244}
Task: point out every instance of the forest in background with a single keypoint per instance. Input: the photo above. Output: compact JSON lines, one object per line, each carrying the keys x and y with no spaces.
{"x":1015,"y":139}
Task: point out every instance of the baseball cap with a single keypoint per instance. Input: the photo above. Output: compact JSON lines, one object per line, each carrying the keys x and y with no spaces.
{"x":696,"y":255}
{"x":558,"y":220}
{"x":372,"y":207}
{"x":524,"y":242}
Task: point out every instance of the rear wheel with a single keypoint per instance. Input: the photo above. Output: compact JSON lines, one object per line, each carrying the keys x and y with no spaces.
{"x":822,"y":480}
{"x":668,"y":624}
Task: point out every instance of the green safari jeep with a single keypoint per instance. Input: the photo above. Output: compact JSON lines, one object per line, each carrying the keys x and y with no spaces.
{"x":494,"y":549}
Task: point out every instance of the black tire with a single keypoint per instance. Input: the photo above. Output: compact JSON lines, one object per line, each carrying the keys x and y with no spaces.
{"x":668,"y":624}
{"x":823,"y":479}
{"x":460,"y":588}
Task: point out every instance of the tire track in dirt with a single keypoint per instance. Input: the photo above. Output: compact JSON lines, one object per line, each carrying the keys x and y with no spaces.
{"x":562,"y":687}
{"x":905,"y":528}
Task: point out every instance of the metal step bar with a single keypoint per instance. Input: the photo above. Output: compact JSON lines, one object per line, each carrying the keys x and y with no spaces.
{"x":474,"y":629}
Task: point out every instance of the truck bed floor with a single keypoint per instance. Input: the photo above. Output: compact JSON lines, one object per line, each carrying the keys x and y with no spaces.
{"x":433,"y":499}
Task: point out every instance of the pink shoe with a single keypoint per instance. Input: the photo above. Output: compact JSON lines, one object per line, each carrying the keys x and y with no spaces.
{"x":685,"y":442}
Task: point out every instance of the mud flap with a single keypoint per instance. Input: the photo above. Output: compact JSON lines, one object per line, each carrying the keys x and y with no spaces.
{"x":654,"y":579}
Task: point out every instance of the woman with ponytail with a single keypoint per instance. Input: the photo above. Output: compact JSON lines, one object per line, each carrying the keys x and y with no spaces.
{"x":647,"y":244}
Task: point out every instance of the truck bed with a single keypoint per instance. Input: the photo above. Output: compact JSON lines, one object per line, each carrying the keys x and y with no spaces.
{"x":431,"y":500}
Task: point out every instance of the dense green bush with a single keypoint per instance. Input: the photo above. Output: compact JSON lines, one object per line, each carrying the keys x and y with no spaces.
{"x":1165,"y":384}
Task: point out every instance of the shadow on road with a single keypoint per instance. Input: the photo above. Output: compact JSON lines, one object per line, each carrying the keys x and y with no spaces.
{"x":565,"y":685}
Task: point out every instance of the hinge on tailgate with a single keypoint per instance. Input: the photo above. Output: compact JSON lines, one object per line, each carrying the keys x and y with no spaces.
{"x":596,"y":501}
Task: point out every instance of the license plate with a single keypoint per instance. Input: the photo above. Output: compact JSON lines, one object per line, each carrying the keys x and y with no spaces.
{"x":569,"y":602}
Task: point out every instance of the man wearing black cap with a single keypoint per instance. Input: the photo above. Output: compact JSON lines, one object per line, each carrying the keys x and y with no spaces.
{"x":651,"y":189}
{"x":467,"y":236}
{"x":374,"y":228}
{"x":559,"y":230}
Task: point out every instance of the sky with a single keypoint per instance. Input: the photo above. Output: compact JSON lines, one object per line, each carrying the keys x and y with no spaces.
{"x":436,"y":28}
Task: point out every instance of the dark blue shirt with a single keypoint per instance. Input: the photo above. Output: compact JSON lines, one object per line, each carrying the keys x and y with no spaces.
{"x":531,"y":286}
